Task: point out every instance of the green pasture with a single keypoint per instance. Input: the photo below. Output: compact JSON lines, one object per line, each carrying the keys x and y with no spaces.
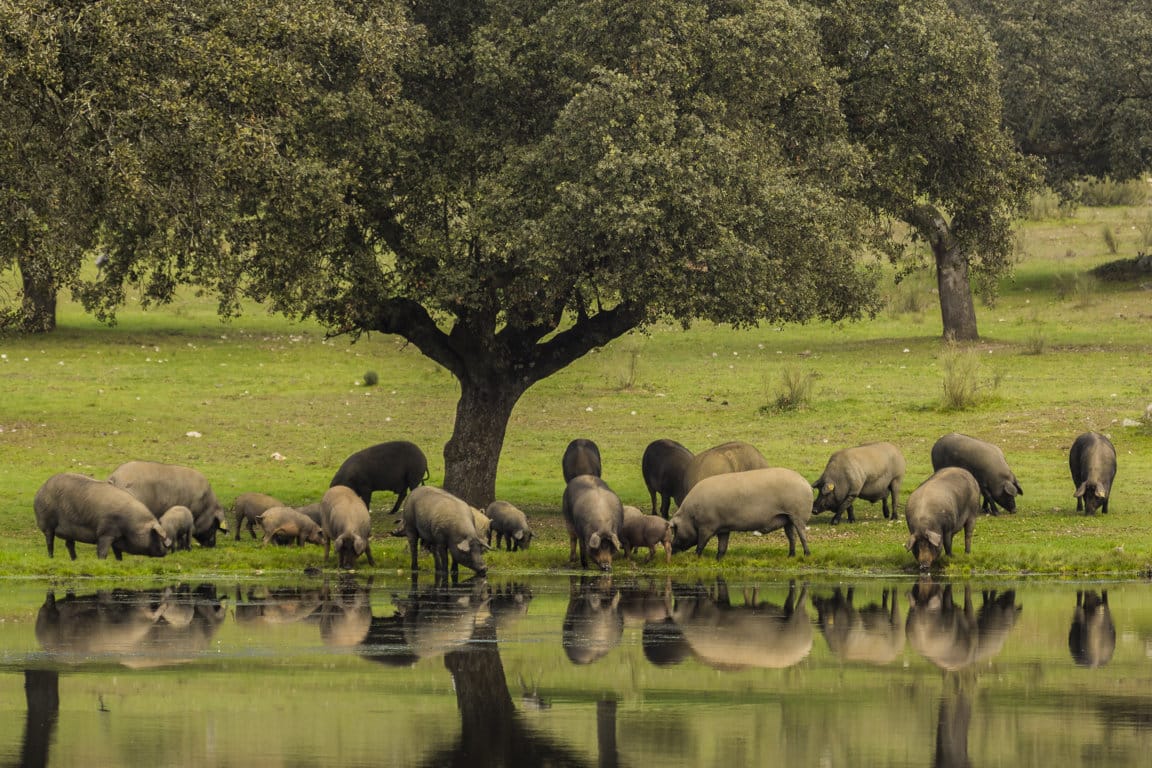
{"x":267,"y":404}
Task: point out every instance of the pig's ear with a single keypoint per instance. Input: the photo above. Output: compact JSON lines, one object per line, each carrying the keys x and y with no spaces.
{"x":616,"y":542}
{"x":463,"y":545}
{"x":1100,"y":492}
{"x":910,"y":543}
{"x":829,"y":487}
{"x":483,"y":545}
{"x":934,"y":538}
{"x":1016,"y":483}
{"x":594,"y":541}
{"x":360,"y":546}
{"x":1080,"y":491}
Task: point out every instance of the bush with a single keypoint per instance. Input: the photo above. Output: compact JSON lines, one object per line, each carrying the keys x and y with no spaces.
{"x":371,"y":379}
{"x":1045,"y":205}
{"x":963,"y":388}
{"x":1110,"y":240}
{"x":1106,"y":192}
{"x":795,"y":394}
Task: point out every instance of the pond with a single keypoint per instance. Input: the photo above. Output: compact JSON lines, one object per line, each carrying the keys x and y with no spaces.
{"x":571,"y":671}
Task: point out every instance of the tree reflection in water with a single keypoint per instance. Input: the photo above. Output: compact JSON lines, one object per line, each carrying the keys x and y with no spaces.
{"x":42,"y":693}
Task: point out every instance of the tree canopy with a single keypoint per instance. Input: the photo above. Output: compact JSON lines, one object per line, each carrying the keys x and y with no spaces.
{"x":510,"y":184}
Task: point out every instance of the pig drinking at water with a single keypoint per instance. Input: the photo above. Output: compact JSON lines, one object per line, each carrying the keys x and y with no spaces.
{"x":508,"y":524}
{"x":987,"y":464}
{"x":1093,"y":464}
{"x":946,"y":503}
{"x":663,"y":465}
{"x":445,"y":525}
{"x":593,"y":515}
{"x":761,"y":500}
{"x":346,"y":525}
{"x":77,"y":508}
{"x":397,"y":466}
{"x":872,"y":472}
{"x":581,"y":457}
{"x":163,"y":486}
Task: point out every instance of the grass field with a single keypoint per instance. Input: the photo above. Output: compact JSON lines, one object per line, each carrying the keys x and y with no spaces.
{"x":265,"y":404}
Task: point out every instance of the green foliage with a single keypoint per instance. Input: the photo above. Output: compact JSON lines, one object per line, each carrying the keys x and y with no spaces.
{"x":795,"y":392}
{"x":1110,"y":239}
{"x":963,"y":381}
{"x":1046,"y":204}
{"x":371,"y":378}
{"x":1106,"y":192}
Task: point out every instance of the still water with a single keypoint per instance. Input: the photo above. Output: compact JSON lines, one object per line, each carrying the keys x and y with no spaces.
{"x":571,"y":671}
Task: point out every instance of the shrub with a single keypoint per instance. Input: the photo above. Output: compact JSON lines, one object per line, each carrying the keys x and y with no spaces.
{"x":1035,"y":343}
{"x":795,"y":393}
{"x":1106,"y":192}
{"x":1044,"y":205}
{"x":963,"y":388}
{"x":371,"y":379}
{"x":1110,"y":240}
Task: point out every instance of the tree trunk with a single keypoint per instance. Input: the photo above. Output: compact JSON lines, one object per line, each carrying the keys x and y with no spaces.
{"x":472,"y":454}
{"x":957,"y":310}
{"x":38,"y":307}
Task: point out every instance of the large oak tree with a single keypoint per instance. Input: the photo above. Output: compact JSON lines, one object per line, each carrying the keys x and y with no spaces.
{"x":511,"y":184}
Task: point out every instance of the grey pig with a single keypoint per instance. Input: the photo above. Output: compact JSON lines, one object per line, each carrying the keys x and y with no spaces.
{"x":508,"y":524}
{"x":733,"y":456}
{"x":77,"y":508}
{"x":987,"y":464}
{"x":581,"y":457}
{"x":946,"y":503}
{"x":248,"y":506}
{"x":444,"y":524}
{"x":593,"y":515}
{"x":177,"y":523}
{"x":646,"y":531}
{"x":1092,"y":460}
{"x":761,"y":500}
{"x":286,"y":523}
{"x":663,"y":465}
{"x":163,"y":486}
{"x":346,"y":525}
{"x":872,"y":472}
{"x":397,"y":466}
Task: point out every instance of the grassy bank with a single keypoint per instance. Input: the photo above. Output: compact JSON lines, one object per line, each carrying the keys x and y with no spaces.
{"x":263,"y":404}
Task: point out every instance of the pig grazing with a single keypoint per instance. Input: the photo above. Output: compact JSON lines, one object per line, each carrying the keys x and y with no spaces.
{"x":248,"y":506}
{"x":312,"y":512}
{"x":761,"y":500}
{"x":946,"y":503}
{"x":177,"y":523}
{"x":163,"y":486}
{"x":508,"y":524}
{"x":282,"y":524}
{"x":872,"y":472}
{"x":663,"y":465}
{"x":346,"y":525}
{"x":445,"y":525}
{"x":734,"y":456}
{"x":581,"y":457}
{"x":646,"y":531}
{"x":593,"y":515}
{"x":987,"y":464}
{"x":397,"y":466}
{"x":77,"y":508}
{"x":1093,"y":464}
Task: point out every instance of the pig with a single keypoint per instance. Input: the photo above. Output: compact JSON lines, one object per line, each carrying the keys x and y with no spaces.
{"x":1092,"y":460}
{"x":177,"y":523}
{"x":508,"y":524}
{"x":248,"y":506}
{"x":76,"y":508}
{"x":1092,"y":638}
{"x":646,"y":531}
{"x":734,"y":456}
{"x":663,"y":465}
{"x":398,"y":466}
{"x":581,"y":457}
{"x":946,"y":503}
{"x":346,"y":525}
{"x":483,"y":523}
{"x":444,"y":524}
{"x":872,"y":472}
{"x":987,"y":464}
{"x":593,"y":515}
{"x":762,"y":500}
{"x":287,"y":524}
{"x":311,"y":511}
{"x":162,"y":486}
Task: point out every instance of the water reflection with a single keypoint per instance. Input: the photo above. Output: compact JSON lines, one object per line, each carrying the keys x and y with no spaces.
{"x":953,"y":723}
{"x":1092,"y":638}
{"x":42,"y":694}
{"x":593,"y":623}
{"x":134,"y":628}
{"x":873,"y":634}
{"x":754,"y":634}
{"x":954,"y":636}
{"x":430,"y":620}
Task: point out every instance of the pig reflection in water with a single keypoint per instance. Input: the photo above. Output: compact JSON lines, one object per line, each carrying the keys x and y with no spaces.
{"x":952,"y":636}
{"x":593,"y":623}
{"x":1092,"y":638}
{"x":345,"y":613}
{"x":755,"y":634}
{"x":428,"y":622}
{"x":873,"y":634}
{"x":139,"y":628}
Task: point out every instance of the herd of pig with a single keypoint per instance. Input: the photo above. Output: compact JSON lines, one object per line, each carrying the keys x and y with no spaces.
{"x":150,"y":508}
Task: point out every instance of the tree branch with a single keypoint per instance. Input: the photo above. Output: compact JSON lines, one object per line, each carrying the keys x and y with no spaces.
{"x":589,"y":332}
